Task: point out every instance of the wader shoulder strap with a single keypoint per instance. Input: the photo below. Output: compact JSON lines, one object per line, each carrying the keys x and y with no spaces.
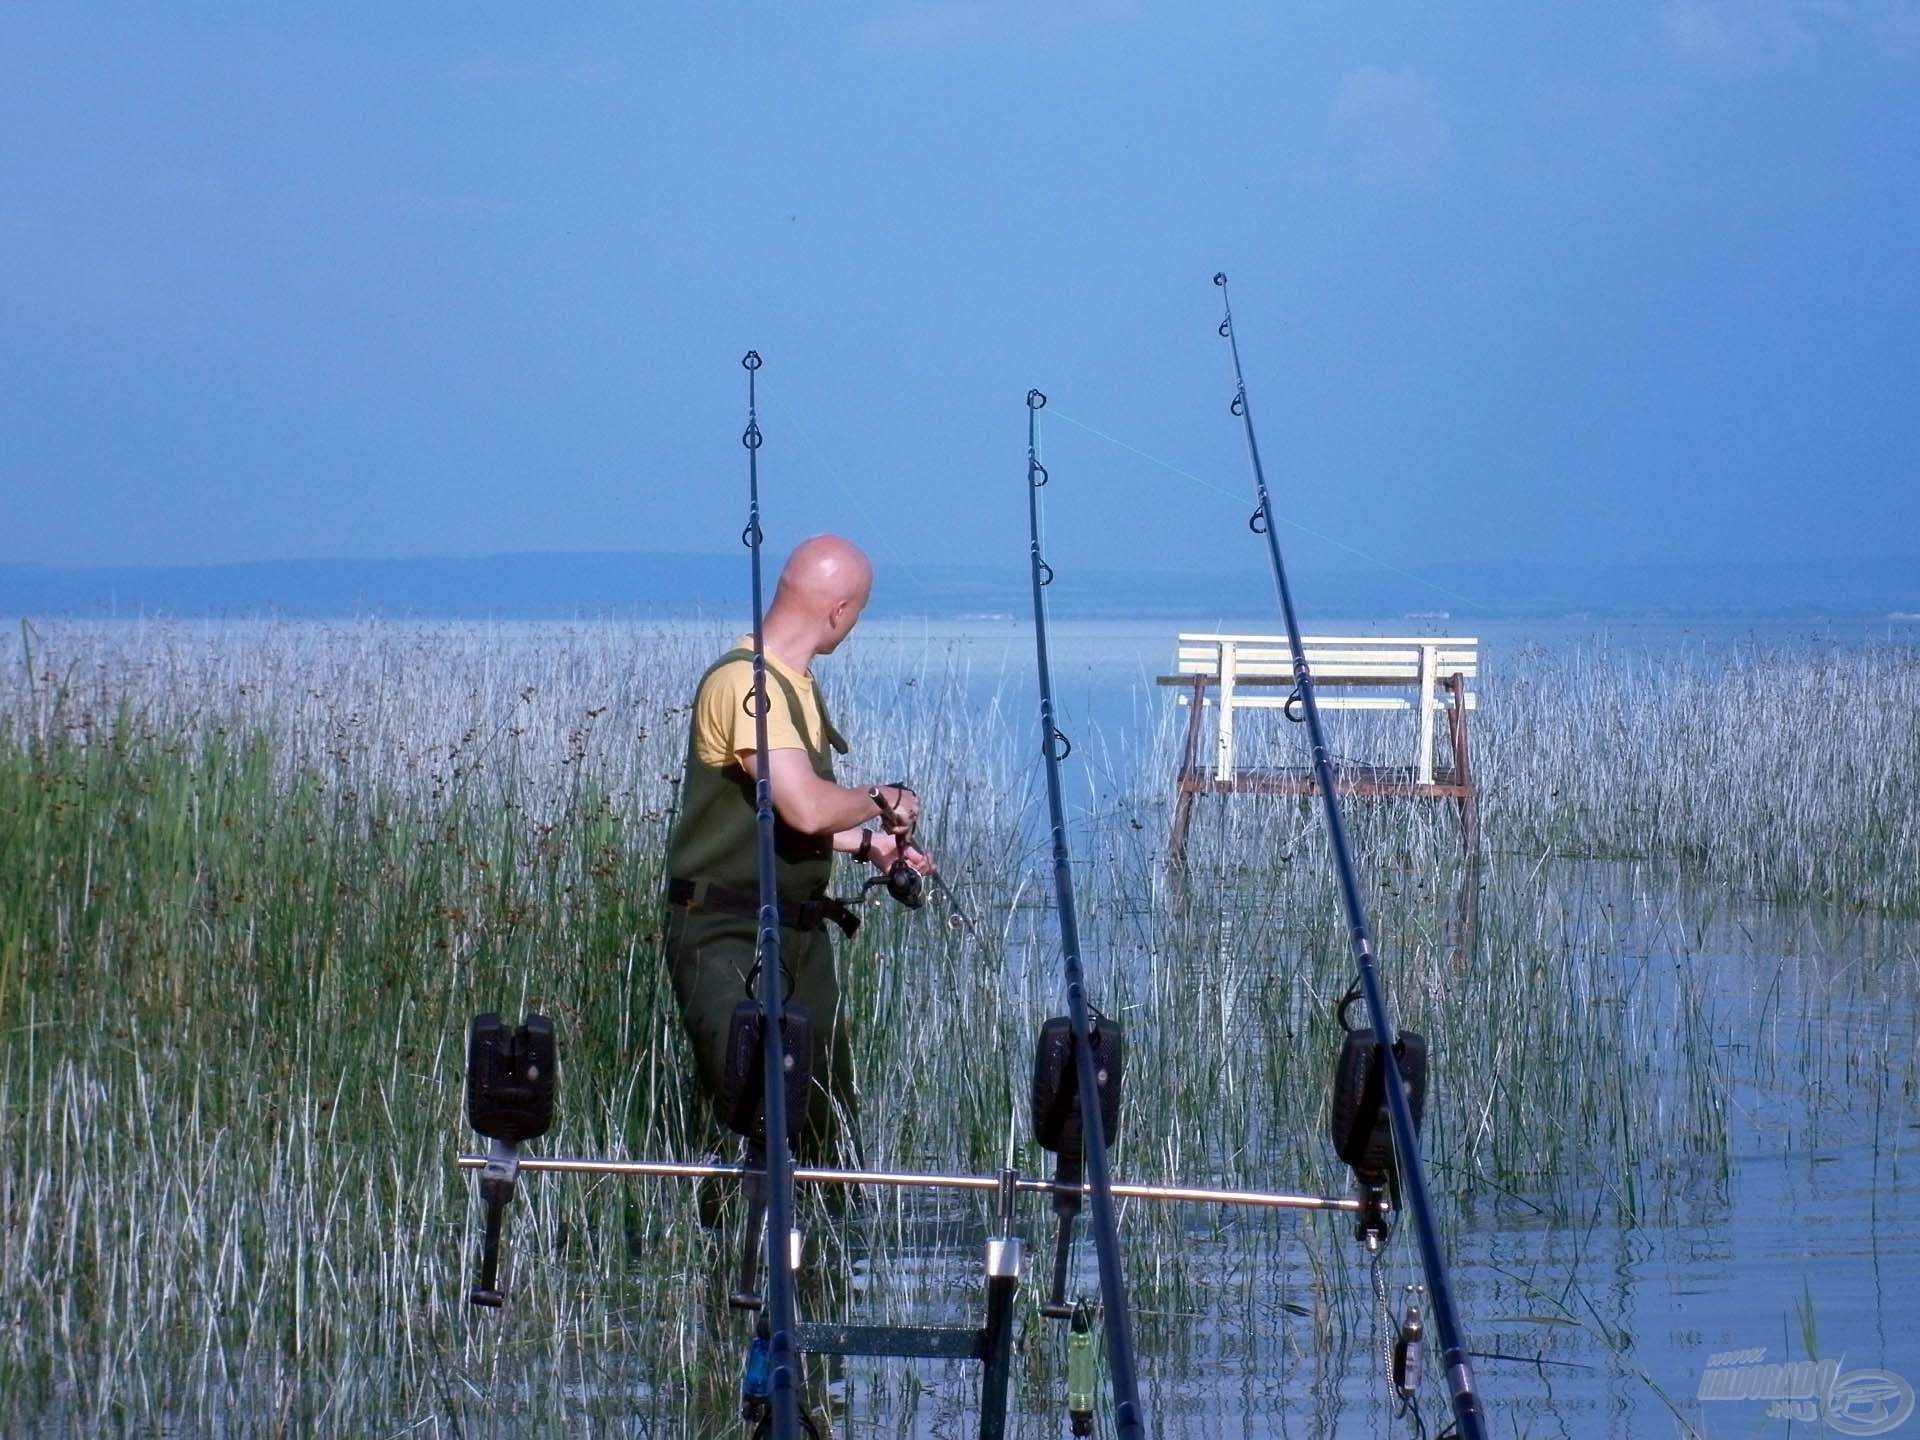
{"x":821,"y":762}
{"x":834,"y":737}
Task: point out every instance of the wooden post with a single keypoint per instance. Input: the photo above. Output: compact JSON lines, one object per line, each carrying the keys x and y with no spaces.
{"x":1223,"y":767}
{"x":1187,"y":783}
{"x":1469,"y":802}
{"x":1423,"y":758}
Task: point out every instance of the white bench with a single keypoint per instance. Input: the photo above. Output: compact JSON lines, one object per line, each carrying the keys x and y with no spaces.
{"x":1427,"y":676}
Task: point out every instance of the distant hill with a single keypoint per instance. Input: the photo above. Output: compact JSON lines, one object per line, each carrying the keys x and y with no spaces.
{"x":624,"y":583}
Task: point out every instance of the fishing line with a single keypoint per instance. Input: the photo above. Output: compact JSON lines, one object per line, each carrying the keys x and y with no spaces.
{"x":1457,"y":1365}
{"x":1128,"y":1417}
{"x":883,"y":544}
{"x":1204,"y":483}
{"x":852,"y":501}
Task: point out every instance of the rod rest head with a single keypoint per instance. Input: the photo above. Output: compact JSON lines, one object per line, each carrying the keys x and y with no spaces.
{"x":743,"y":1095}
{"x":1056,"y":1083}
{"x":511,"y":1078}
{"x":1362,"y":1134}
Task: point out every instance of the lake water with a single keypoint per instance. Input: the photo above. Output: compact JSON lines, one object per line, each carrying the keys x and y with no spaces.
{"x":1104,"y":670}
{"x":1595,"y":1312}
{"x":1805,"y":1246}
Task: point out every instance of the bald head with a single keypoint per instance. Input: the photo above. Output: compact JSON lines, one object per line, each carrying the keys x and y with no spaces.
{"x":822,"y":591}
{"x":827,"y":567}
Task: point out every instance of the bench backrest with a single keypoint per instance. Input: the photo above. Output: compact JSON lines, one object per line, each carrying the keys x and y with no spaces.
{"x":1334,"y":659}
{"x":1350,"y":672}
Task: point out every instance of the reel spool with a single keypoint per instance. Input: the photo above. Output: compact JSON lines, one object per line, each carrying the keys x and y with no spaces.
{"x":903,"y":883}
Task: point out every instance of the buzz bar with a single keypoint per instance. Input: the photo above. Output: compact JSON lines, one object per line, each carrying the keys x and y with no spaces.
{"x":908,"y":1180}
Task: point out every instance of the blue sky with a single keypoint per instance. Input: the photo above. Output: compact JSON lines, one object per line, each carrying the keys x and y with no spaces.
{"x":1537,"y":281}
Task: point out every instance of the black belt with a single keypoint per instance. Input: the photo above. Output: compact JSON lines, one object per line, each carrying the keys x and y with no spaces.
{"x":794,"y":914}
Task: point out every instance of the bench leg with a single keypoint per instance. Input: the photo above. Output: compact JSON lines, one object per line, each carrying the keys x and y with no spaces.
{"x":1469,"y":826}
{"x":1182,"y":818}
{"x":1466,"y":916}
{"x":1469,"y":803}
{"x":1187,"y":779}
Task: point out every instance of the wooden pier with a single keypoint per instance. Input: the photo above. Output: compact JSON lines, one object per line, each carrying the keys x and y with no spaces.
{"x":1427,"y":676}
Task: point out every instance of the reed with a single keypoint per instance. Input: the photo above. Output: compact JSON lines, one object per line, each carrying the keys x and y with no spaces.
{"x":1792,"y":770}
{"x":257,"y":877}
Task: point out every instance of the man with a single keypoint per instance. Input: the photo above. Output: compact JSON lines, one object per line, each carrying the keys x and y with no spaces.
{"x":713,"y":857}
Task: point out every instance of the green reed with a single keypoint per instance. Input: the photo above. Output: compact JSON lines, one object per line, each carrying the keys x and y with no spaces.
{"x":1792,"y":769}
{"x":258,"y":878}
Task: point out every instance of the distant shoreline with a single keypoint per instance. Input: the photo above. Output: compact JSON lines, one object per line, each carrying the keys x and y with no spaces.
{"x":638,"y":585}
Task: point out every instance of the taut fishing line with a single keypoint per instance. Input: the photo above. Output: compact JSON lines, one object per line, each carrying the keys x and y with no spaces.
{"x":835,"y":475}
{"x":1207,"y":484}
{"x":1468,"y":1417}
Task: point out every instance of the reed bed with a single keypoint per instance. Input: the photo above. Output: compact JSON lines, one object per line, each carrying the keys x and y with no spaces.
{"x":1793,"y":770}
{"x":257,"y":877}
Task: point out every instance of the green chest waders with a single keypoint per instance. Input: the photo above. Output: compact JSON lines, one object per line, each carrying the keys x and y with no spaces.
{"x":710,"y":951}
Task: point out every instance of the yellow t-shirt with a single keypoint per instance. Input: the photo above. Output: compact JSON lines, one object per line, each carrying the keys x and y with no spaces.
{"x":723,"y":728}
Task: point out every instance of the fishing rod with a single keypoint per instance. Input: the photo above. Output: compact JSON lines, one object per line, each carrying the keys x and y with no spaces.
{"x":779,"y":1318}
{"x":1468,"y":1417}
{"x":1094,"y":1118}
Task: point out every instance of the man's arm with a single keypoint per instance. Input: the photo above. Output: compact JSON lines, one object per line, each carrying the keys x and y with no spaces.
{"x":819,"y":807}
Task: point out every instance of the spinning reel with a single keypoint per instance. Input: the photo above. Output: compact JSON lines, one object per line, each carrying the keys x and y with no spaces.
{"x":903,"y":883}
{"x":906,"y":884}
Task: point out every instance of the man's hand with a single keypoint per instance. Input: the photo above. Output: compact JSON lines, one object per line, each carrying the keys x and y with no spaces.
{"x":884,"y":849}
{"x":899,"y":808}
